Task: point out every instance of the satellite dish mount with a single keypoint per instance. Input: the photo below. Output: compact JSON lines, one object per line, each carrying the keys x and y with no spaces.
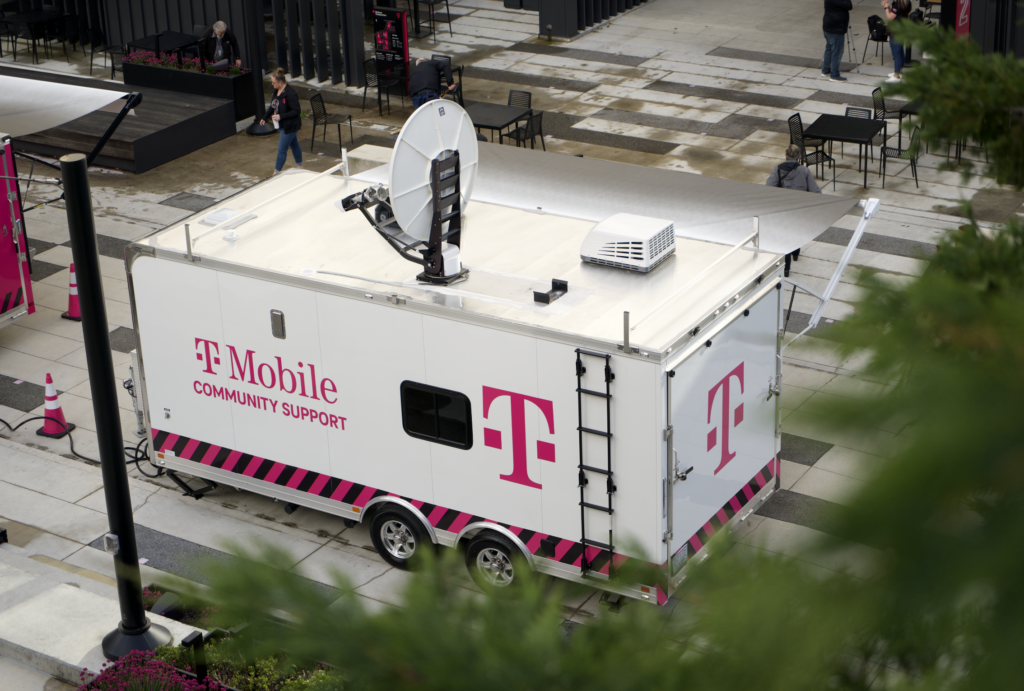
{"x":432,"y":173}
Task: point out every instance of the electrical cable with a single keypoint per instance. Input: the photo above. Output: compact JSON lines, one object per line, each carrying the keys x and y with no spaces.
{"x":135,"y":454}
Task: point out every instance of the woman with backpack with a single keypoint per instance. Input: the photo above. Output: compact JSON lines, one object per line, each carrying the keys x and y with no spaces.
{"x":895,"y":10}
{"x":793,"y":176}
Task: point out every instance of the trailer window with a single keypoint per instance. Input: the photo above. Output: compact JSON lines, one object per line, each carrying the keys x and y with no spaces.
{"x":436,"y":415}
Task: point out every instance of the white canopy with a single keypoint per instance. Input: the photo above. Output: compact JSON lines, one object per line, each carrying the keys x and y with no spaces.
{"x":703,"y":208}
{"x":31,"y":105}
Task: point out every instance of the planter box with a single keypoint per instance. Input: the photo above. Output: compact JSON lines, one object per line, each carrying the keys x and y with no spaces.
{"x":237,"y":88}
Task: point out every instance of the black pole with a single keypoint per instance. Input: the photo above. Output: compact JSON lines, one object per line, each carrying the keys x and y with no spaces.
{"x":134,"y":632}
{"x":257,"y":44}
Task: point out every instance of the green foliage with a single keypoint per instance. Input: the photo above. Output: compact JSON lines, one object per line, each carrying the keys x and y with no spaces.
{"x":966,"y":95}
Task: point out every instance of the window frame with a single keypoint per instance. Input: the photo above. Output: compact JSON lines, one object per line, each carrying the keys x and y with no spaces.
{"x":435,"y":391}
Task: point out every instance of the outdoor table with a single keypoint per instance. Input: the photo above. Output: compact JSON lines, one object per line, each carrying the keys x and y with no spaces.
{"x":840,"y":128}
{"x":492,"y":116}
{"x":35,"y":21}
{"x":401,"y":76}
{"x":165,"y":42}
{"x":910,"y":109}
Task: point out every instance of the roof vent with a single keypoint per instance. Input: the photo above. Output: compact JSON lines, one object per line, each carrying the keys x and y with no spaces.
{"x":627,"y":241}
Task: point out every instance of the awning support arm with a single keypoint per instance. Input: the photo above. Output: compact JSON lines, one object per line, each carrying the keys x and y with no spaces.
{"x":870,"y":210}
{"x":132,"y":100}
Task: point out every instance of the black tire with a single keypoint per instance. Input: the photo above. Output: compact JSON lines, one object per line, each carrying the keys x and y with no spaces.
{"x":398,"y":536}
{"x":493,"y":562}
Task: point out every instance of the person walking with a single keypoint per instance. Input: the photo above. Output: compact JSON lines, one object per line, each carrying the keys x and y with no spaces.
{"x":896,"y":10}
{"x":835,"y":25}
{"x":425,"y":80}
{"x":792,"y":176}
{"x":285,"y":114}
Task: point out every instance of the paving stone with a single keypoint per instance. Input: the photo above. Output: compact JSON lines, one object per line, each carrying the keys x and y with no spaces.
{"x":648,"y":120}
{"x":108,"y":246}
{"x":732,"y":95}
{"x":879,"y":243}
{"x":576,"y":54}
{"x":801,"y":509}
{"x":836,"y":97}
{"x":529,"y":79}
{"x":122,"y":339}
{"x":40,"y":269}
{"x":777,"y":59}
{"x":190,"y":202}
{"x":801,"y":450}
{"x":24,"y":396}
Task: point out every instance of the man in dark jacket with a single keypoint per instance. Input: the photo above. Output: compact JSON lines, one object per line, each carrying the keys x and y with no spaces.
{"x":425,"y":80}
{"x":792,"y":176}
{"x":219,"y":45}
{"x":835,"y":24}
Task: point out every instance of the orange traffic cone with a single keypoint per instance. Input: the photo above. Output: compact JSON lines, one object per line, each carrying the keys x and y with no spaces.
{"x":73,"y":313}
{"x":54,"y":426}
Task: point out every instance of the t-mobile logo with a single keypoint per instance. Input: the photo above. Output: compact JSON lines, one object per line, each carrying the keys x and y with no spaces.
{"x":492,"y":437}
{"x":736,"y":414}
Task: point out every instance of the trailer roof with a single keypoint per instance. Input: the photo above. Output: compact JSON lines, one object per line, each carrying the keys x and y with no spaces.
{"x":510,"y":253}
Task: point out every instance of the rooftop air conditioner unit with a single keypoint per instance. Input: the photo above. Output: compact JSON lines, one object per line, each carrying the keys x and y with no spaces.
{"x":627,"y":241}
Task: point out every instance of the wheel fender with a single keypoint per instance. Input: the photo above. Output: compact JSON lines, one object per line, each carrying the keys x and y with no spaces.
{"x":397,"y":501}
{"x":494,"y":527}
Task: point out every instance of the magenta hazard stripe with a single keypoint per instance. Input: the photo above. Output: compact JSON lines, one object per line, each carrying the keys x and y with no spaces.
{"x":232,"y":460}
{"x":318,"y":484}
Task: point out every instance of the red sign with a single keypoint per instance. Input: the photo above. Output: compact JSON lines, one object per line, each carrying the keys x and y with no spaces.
{"x":963,"y":18}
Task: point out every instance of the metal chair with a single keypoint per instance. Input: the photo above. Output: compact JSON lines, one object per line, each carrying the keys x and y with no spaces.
{"x":372,"y":79}
{"x":816,"y":158}
{"x":880,"y":111}
{"x":322,"y":117}
{"x":116,"y":55}
{"x":442,"y":58}
{"x":520,"y":99}
{"x":430,"y":18}
{"x":796,"y":132}
{"x":533,"y":128}
{"x":877,"y":33}
{"x":864,"y":114}
{"x":908,"y":154}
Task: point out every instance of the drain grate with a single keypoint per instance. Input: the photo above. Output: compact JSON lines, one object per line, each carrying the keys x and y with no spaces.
{"x":189,"y":202}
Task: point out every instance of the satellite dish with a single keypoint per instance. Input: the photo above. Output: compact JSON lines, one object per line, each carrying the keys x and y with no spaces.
{"x":433,"y":131}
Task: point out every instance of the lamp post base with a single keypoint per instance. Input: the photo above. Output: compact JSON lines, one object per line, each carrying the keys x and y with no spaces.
{"x":119,"y":643}
{"x":258,"y":130}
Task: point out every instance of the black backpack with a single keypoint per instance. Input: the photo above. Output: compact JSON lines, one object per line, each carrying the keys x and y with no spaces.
{"x":876,"y":28}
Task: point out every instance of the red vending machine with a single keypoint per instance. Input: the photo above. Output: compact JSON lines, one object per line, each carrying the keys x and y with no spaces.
{"x":391,"y":43}
{"x":15,"y":283}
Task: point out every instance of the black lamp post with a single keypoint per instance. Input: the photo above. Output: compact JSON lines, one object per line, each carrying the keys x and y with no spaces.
{"x":134,"y":632}
{"x":257,"y":42}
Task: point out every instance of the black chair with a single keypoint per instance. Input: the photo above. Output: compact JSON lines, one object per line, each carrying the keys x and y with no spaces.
{"x":116,"y":55}
{"x":442,"y":58}
{"x":877,"y":33}
{"x":385,"y":83}
{"x":430,"y":18}
{"x":322,"y":117}
{"x":881,"y":113}
{"x":865,"y":114}
{"x":908,"y":154}
{"x":520,"y":99}
{"x":796,"y":134}
{"x":530,"y":130}
{"x":816,"y":158}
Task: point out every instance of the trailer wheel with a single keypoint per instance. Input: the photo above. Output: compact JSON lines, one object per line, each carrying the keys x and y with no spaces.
{"x":397,"y":535}
{"x":492,"y":561}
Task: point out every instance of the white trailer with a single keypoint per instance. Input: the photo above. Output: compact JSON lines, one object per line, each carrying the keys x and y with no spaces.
{"x":285,"y":349}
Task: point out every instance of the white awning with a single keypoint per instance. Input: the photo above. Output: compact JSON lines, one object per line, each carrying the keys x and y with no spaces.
{"x":31,"y":105}
{"x":703,"y":208}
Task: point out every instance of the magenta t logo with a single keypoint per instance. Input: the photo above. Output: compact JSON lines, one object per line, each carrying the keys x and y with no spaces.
{"x":205,"y":356}
{"x":737,"y":415}
{"x":492,"y":437}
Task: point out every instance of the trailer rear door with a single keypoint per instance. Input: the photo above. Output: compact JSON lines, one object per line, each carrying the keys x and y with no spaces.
{"x":723,"y":424}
